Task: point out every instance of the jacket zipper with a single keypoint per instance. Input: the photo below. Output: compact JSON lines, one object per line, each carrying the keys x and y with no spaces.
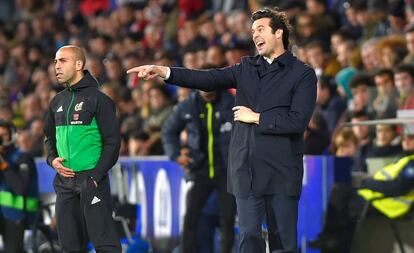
{"x":67,"y":124}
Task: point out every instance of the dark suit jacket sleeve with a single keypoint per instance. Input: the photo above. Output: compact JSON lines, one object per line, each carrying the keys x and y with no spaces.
{"x":111,"y":139}
{"x":294,"y":120}
{"x":171,"y":133}
{"x":206,"y":80}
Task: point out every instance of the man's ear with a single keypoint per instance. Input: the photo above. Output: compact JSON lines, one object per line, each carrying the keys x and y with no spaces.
{"x":79,"y":65}
{"x":279,"y":33}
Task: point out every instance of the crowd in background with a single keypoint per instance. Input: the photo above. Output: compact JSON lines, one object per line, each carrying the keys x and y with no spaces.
{"x":362,"y":52}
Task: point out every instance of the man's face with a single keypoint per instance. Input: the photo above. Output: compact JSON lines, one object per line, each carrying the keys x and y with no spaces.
{"x":408,"y":143}
{"x":65,"y":66}
{"x":409,"y":38}
{"x":361,"y":132}
{"x":384,"y":135}
{"x":343,"y":54}
{"x":347,"y":149}
{"x":361,"y":95}
{"x":215,"y":57}
{"x":403,"y":82}
{"x":4,"y":136}
{"x":315,"y":57}
{"x":384,"y":84}
{"x":190,"y":60}
{"x":335,"y":41}
{"x":263,"y":37}
{"x":157,"y":99}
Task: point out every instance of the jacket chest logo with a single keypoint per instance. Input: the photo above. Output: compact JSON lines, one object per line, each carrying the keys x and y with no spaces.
{"x":78,"y":107}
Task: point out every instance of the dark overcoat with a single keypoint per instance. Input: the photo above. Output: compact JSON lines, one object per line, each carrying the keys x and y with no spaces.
{"x":266,"y":158}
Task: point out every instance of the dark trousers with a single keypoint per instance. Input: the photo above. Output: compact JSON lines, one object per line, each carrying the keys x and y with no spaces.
{"x":13,"y":235}
{"x":84,"y":212}
{"x":197,"y":196}
{"x":207,"y":225}
{"x":284,"y":212}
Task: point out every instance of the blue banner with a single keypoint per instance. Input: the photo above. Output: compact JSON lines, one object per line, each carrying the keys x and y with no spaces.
{"x":157,"y":187}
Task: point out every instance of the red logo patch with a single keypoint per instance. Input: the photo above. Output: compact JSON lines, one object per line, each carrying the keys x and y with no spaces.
{"x":75,"y":116}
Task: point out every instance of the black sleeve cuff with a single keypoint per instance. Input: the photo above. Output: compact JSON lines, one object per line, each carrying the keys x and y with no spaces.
{"x":267,"y":122}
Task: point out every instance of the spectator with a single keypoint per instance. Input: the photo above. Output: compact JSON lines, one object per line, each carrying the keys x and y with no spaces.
{"x":392,"y":50}
{"x":215,"y":57}
{"x":137,"y":143}
{"x":325,"y":20}
{"x":160,"y":109}
{"x":316,"y":137}
{"x":362,"y":94}
{"x":343,"y":79}
{"x":370,"y":58}
{"x":321,"y":61}
{"x":36,"y":127}
{"x":386,"y":143}
{"x":114,"y":72}
{"x":346,"y":54}
{"x":306,"y":29}
{"x":96,"y":67}
{"x":404,"y":82}
{"x":409,"y":40}
{"x":396,"y":17}
{"x":385,"y":104}
{"x":364,"y":140}
{"x":329,"y":104}
{"x":344,"y":143}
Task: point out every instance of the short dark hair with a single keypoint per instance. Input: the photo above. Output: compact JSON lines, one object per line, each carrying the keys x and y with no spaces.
{"x":278,"y":20}
{"x":359,"y":80}
{"x":385,"y":72}
{"x":405,"y":68}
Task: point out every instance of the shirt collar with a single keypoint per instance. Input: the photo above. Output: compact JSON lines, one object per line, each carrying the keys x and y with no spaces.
{"x":268,"y":59}
{"x":282,"y":59}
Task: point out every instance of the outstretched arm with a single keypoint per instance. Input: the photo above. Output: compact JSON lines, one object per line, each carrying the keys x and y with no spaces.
{"x":150,"y":71}
{"x":206,"y":79}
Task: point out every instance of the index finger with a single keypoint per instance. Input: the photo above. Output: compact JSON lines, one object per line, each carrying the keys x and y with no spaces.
{"x":134,"y":70}
{"x":236,"y":108}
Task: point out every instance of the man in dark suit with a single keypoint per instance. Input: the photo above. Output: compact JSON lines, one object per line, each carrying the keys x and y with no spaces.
{"x":275,"y":99}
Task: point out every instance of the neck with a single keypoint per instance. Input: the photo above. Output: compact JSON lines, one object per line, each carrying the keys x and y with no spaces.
{"x":76,"y":79}
{"x":278,"y":52}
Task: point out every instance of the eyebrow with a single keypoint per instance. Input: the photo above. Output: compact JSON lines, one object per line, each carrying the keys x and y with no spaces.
{"x":259,"y":26}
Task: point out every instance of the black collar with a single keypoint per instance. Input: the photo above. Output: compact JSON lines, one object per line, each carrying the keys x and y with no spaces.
{"x":285,"y":59}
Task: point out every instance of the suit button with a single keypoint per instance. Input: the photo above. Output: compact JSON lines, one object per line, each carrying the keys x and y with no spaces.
{"x":271,"y":126}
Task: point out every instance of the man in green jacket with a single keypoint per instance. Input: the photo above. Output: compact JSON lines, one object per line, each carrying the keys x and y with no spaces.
{"x":82,"y":140}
